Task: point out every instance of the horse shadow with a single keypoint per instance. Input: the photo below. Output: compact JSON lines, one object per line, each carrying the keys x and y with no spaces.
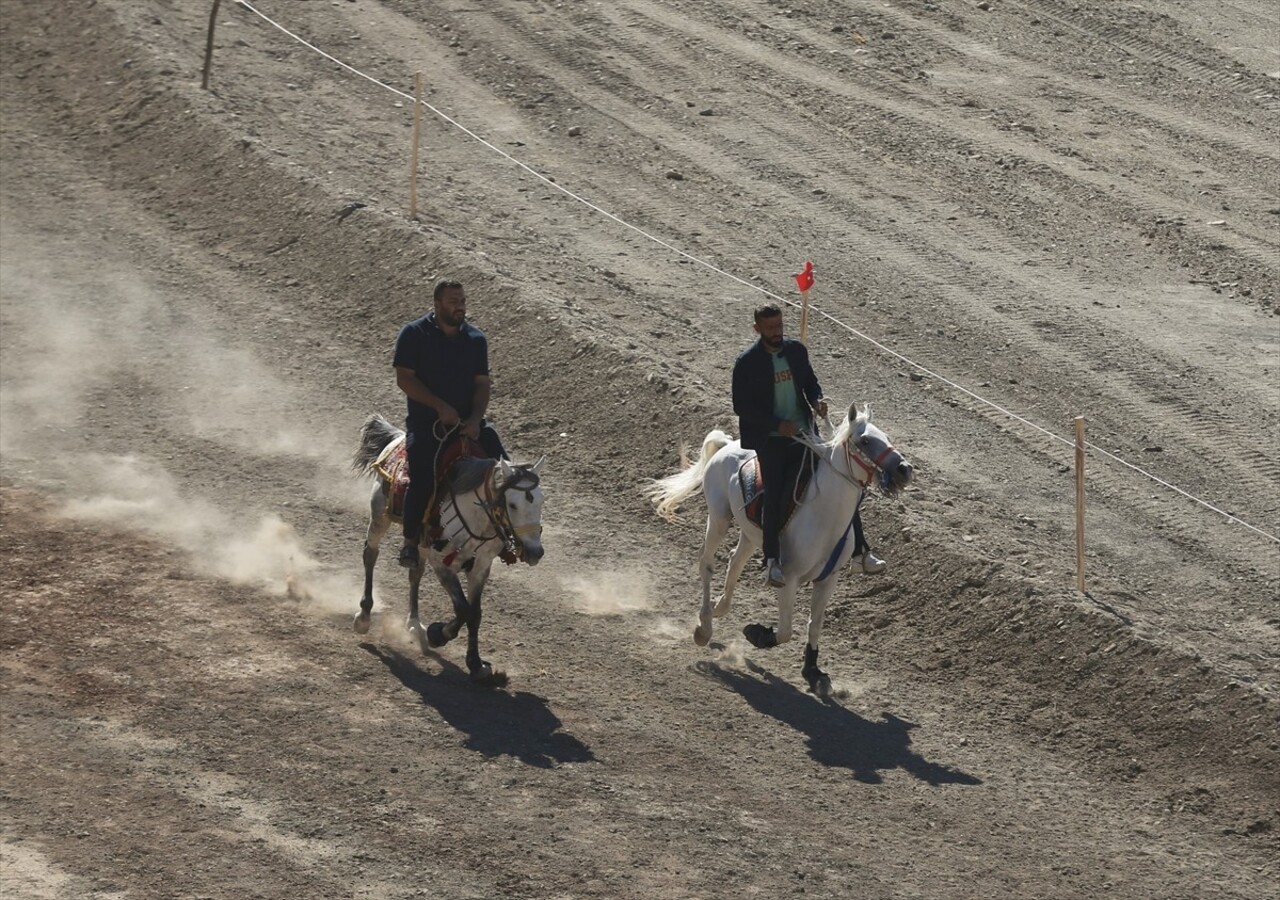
{"x":837,"y":736}
{"x":495,"y":722}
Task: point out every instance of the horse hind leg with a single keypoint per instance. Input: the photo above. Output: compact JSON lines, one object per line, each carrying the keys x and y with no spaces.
{"x":738,"y":562}
{"x":717,"y":528}
{"x":378,"y":525}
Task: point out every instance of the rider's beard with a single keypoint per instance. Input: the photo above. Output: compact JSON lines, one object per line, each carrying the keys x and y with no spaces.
{"x":453,"y":320}
{"x":772,"y":343}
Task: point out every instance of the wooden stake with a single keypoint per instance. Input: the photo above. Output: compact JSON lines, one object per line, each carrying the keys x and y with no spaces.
{"x":804,"y":316}
{"x":208,"y":46}
{"x":417,"y":131}
{"x":1080,"y":503}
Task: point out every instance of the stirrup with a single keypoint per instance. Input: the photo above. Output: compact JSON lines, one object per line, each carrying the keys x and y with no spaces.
{"x":409,"y":556}
{"x":774,"y":574}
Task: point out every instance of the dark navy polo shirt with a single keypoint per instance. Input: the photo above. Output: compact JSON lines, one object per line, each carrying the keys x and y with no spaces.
{"x":448,"y":366}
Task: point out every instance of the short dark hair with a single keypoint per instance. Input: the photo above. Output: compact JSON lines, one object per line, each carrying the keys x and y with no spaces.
{"x":442,"y":286}
{"x":768,"y":311}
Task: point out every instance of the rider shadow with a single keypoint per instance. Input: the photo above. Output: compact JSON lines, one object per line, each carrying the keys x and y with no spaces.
{"x":496,"y":723}
{"x":837,"y":736}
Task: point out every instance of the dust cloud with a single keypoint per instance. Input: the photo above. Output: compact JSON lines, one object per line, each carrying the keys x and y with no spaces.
{"x":611,"y":592}
{"x":91,"y":355}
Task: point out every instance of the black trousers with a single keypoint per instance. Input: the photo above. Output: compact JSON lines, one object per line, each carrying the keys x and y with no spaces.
{"x":421,"y":448}
{"x":780,"y":461}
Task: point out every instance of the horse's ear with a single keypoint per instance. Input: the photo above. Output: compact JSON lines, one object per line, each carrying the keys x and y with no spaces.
{"x":538,"y":464}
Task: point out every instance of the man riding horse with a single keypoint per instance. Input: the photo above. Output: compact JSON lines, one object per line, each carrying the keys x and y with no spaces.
{"x":442,"y":365}
{"x":775,"y":395}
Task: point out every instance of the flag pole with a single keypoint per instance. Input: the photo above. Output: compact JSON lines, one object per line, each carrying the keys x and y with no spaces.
{"x":804,"y":316}
{"x":417,"y":129}
{"x":804,"y":281}
{"x":1079,"y":503}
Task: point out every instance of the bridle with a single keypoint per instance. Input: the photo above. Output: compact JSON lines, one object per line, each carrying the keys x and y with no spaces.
{"x":855,"y":455}
{"x":495,"y":508}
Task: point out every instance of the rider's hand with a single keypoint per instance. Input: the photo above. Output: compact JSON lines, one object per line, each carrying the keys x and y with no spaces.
{"x":821,"y":409}
{"x":788,"y":428}
{"x":471,"y":428}
{"x":448,"y":415}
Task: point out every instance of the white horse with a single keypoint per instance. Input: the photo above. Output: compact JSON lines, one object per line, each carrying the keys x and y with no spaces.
{"x":816,"y":544}
{"x":493,"y":509}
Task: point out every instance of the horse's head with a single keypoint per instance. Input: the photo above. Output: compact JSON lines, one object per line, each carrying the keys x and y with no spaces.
{"x":868,"y":451}
{"x":520,"y":495}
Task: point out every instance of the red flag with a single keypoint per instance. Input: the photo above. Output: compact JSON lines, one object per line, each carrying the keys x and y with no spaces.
{"x":804,"y":280}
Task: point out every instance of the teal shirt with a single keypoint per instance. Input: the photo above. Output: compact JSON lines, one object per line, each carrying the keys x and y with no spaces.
{"x":786,"y":405}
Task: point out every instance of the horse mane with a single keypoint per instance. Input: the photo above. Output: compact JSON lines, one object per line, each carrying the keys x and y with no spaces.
{"x":841,"y":434}
{"x":469,"y":473}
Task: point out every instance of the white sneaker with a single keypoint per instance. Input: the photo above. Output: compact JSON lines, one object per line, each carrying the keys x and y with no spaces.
{"x":776,"y":578}
{"x":870,"y":563}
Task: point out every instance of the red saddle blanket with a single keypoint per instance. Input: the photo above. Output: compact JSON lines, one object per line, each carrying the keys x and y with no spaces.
{"x":752,"y":481}
{"x":393,"y":467}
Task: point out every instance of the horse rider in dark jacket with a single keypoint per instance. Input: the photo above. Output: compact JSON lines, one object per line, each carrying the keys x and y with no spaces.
{"x":775,"y":395}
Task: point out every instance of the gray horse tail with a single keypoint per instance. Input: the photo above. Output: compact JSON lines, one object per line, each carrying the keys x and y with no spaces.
{"x":375,"y":434}
{"x":668,"y":493}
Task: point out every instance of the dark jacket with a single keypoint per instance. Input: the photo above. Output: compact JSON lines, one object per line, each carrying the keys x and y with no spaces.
{"x":753,"y":390}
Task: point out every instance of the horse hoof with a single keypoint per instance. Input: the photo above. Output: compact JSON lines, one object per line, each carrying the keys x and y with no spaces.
{"x":436,"y":636}
{"x":721,"y":609}
{"x":488,"y":676}
{"x":760,"y":637}
{"x":819,"y":684}
{"x":361,"y":622}
{"x":701,"y":636}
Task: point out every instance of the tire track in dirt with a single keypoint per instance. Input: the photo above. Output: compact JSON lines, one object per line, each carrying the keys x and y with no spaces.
{"x":1248,"y":85}
{"x":943,"y":269}
{"x":923,"y":240}
{"x":726,"y":737}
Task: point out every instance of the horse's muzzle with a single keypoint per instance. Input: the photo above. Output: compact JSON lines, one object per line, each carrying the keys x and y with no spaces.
{"x":895,"y":478}
{"x":532,"y":553}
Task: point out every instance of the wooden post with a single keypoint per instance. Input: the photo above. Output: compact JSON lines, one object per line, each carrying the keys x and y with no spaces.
{"x":804,"y":317}
{"x":417,"y":130}
{"x":1080,"y":503}
{"x":208,"y":46}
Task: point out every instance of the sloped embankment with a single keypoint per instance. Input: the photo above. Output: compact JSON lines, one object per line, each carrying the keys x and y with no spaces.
{"x":1075,"y":675}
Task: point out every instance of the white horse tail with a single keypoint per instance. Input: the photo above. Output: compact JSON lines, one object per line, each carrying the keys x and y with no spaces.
{"x":668,"y":493}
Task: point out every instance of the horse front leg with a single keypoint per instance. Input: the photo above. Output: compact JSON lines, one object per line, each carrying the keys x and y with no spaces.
{"x":441,"y":633}
{"x":481,"y":671}
{"x":819,"y":681}
{"x":378,"y":524}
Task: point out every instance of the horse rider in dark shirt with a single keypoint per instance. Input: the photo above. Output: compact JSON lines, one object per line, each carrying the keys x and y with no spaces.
{"x":775,"y":394}
{"x":442,"y":365}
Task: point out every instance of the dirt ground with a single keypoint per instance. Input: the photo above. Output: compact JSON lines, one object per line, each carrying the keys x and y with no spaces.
{"x":1019,"y":212}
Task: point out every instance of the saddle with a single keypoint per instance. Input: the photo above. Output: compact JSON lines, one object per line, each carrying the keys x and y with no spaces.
{"x":393,"y":466}
{"x":752,"y":481}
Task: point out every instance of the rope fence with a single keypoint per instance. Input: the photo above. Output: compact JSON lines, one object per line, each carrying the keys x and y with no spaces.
{"x":888,"y":351}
